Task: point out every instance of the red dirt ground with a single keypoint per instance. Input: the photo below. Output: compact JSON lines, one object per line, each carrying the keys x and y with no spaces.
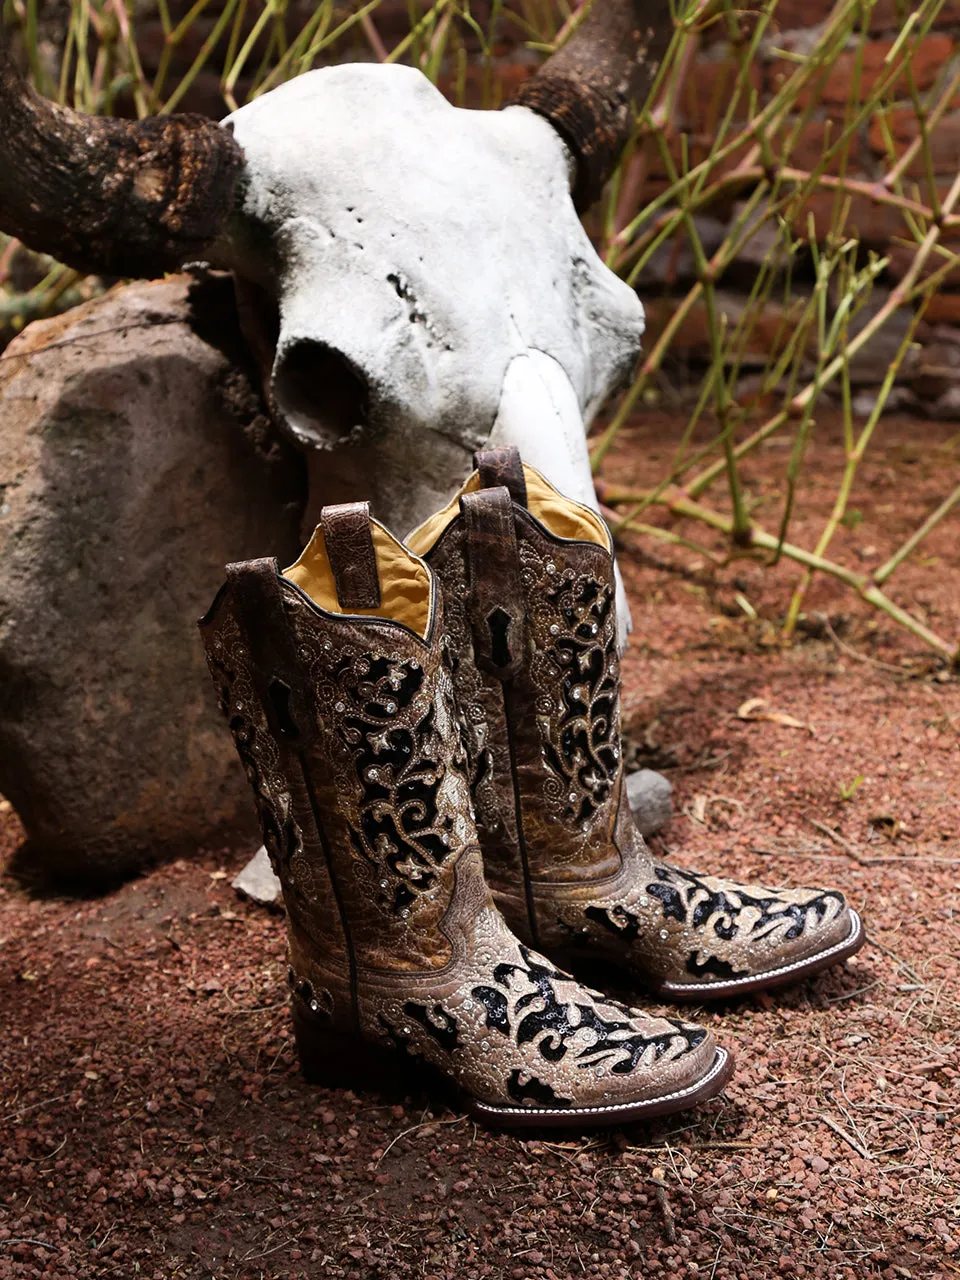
{"x":152,"y":1121}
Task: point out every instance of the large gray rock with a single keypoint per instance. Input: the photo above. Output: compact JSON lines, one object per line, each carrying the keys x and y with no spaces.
{"x":135,"y":461}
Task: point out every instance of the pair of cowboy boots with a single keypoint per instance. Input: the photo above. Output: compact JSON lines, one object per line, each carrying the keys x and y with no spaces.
{"x":432,"y":735}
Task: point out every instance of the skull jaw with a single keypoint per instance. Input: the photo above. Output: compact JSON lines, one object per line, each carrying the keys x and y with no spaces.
{"x":540,"y":415}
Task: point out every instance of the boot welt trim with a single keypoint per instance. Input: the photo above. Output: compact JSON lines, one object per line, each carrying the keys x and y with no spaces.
{"x":699,"y":991}
{"x":708,"y":1086}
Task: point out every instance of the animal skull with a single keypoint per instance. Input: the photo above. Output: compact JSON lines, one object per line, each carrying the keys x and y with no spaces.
{"x":432,"y":287}
{"x":435,"y":285}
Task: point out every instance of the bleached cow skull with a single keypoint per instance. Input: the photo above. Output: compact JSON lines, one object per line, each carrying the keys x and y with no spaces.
{"x":429,"y":262}
{"x":414,"y":276}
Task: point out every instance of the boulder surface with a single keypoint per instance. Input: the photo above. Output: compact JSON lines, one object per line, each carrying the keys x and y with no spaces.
{"x":136,"y":459}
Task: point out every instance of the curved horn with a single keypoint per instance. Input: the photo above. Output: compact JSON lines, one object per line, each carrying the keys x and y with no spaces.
{"x":586,"y":88}
{"x":119,"y":197}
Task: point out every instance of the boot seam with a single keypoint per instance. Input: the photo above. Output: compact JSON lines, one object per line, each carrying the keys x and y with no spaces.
{"x":341,"y":912}
{"x":508,"y":717}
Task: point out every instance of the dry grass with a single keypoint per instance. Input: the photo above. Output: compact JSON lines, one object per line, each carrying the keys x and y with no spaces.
{"x":824,"y":284}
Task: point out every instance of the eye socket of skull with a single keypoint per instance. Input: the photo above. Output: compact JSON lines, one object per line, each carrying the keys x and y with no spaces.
{"x":322,"y":396}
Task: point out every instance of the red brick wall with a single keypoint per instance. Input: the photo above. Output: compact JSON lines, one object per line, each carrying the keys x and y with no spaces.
{"x":706,"y":96}
{"x":707,"y":91}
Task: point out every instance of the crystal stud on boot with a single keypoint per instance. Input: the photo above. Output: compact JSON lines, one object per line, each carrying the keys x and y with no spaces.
{"x":527,"y":578}
{"x":334,"y":678}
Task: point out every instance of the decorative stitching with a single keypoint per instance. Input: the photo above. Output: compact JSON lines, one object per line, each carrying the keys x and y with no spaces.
{"x":718,"y":1065}
{"x":770,"y":973}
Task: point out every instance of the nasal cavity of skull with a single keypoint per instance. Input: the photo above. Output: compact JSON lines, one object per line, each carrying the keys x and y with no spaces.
{"x":322,"y":395}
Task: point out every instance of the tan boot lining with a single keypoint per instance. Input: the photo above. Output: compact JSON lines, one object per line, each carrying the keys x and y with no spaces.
{"x":404,"y":580}
{"x":562,"y":516}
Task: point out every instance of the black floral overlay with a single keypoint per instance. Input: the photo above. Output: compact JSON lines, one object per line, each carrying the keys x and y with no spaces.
{"x":437,"y":1023}
{"x":533,"y":1090}
{"x":582,"y":748}
{"x":541,"y":1017}
{"x":258,"y":754}
{"x":400,"y":764}
{"x":736,"y":914}
{"x":685,"y":896}
{"x":617,"y":919}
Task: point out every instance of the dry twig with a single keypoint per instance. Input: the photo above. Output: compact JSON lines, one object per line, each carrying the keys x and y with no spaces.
{"x":669,"y":1222}
{"x":842,"y":1133}
{"x":838,"y":839}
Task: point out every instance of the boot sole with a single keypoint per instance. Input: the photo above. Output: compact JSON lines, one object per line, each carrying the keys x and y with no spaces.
{"x":336,"y":1059}
{"x":698,"y":992}
{"x":728,"y":989}
{"x":708,"y":1086}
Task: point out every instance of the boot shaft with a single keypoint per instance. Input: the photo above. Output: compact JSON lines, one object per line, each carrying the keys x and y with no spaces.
{"x":528,"y":583}
{"x":335,"y":682}
{"x":529,"y":578}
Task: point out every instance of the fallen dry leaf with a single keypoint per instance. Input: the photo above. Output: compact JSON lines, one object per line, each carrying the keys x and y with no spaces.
{"x":753,"y":709}
{"x":699,"y":807}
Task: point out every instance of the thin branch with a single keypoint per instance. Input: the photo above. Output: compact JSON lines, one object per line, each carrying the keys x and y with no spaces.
{"x":850,"y":1141}
{"x":680,"y":504}
{"x":931,"y":522}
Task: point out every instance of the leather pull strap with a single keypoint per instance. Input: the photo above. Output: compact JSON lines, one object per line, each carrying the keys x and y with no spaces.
{"x":349,"y":545}
{"x":495,"y":600}
{"x":280,"y":679}
{"x":502,"y":466}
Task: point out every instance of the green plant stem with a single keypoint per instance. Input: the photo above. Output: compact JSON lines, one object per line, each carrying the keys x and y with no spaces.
{"x":910,"y":154}
{"x":770,"y":116}
{"x":197,"y":65}
{"x":901,"y":296}
{"x":680,"y":504}
{"x":731,"y":183}
{"x":647,"y":369}
{"x":854,"y":458}
{"x":229,"y":82}
{"x":931,"y":522}
{"x":673,"y":539}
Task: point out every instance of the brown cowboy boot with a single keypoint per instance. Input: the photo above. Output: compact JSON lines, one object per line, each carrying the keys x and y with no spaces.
{"x":528,"y":584}
{"x":334,"y":677}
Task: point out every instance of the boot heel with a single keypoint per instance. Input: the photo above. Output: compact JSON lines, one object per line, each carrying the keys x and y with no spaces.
{"x":343,"y":1060}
